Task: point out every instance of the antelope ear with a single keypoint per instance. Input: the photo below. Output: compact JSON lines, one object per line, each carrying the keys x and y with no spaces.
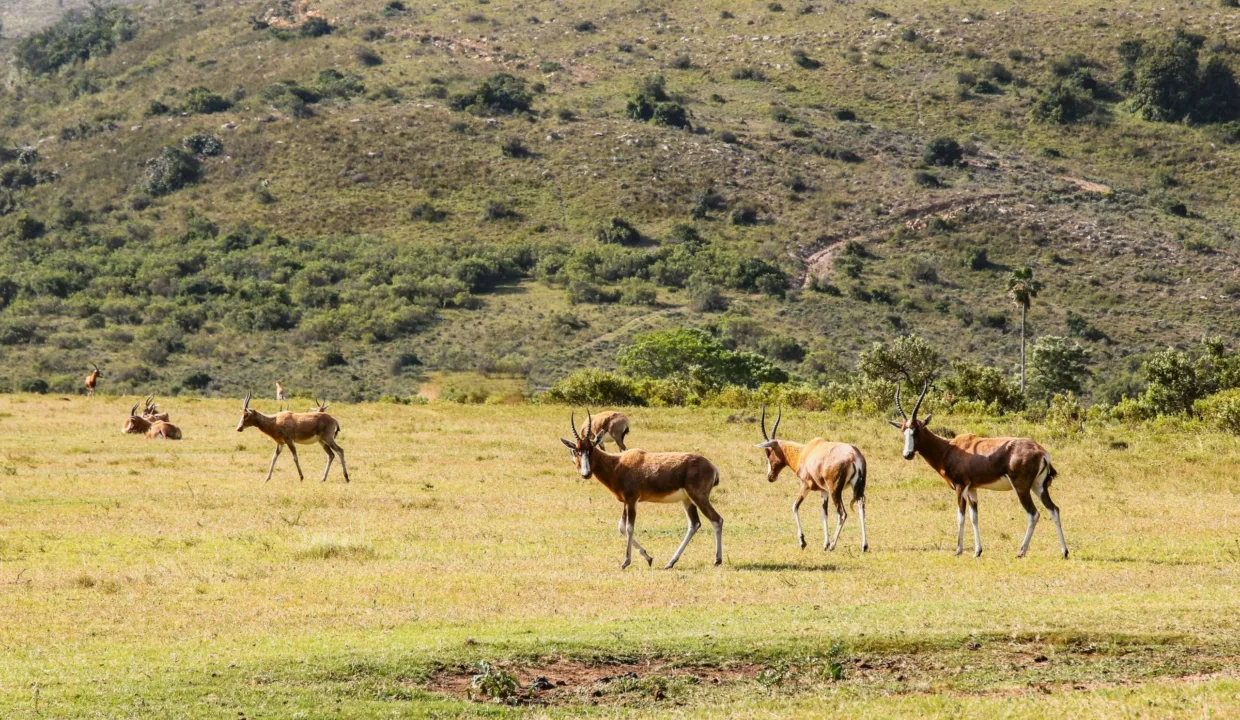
{"x":895,"y":424}
{"x":568,"y":444}
{"x":926,"y":422}
{"x":766,"y":445}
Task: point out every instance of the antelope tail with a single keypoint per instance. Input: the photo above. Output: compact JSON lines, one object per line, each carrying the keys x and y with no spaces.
{"x":858,"y":482}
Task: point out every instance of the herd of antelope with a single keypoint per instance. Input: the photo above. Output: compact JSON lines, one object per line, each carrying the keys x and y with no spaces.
{"x":967,"y":462}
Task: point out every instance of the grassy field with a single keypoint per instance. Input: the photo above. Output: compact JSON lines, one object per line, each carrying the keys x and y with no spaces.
{"x":161,"y":579}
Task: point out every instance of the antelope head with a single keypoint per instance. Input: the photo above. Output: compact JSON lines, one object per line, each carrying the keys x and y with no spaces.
{"x":134,"y":424}
{"x":247,"y":415}
{"x":775,"y":461}
{"x":98,"y":373}
{"x":320,"y":405}
{"x":581,"y":447}
{"x":911,"y":425}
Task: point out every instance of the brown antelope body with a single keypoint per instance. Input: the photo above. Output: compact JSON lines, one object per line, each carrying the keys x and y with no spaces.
{"x":292,"y":429}
{"x":822,"y":466}
{"x":91,"y":380}
{"x":152,"y":429}
{"x":608,"y":425}
{"x":635,"y":476}
{"x":970,"y":463}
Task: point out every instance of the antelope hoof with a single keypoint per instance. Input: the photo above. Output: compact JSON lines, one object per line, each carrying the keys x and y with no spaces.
{"x":803,"y":542}
{"x":977,"y":553}
{"x":1065,"y":554}
{"x":865,"y":548}
{"x":718,"y":562}
{"x":1020,"y":554}
{"x":649,"y":561}
{"x":959,"y":552}
{"x":624,"y":564}
{"x":669,"y":566}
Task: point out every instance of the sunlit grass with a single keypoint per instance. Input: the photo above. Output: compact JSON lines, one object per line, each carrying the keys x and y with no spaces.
{"x":466,"y":536}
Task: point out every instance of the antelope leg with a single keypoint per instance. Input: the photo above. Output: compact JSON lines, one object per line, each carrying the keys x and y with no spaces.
{"x":843,"y":515}
{"x":865,"y":545}
{"x":623,"y":514}
{"x":272,"y":469}
{"x":293,"y":450}
{"x":694,"y":524}
{"x":1031,"y":511}
{"x":977,"y":533}
{"x":330,"y":457}
{"x":960,"y":503}
{"x":630,"y":510}
{"x":796,"y":514}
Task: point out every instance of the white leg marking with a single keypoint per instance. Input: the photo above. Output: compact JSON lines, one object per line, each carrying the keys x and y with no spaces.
{"x":865,"y":544}
{"x":693,"y":528}
{"x":1024,"y":546}
{"x":977,"y":533}
{"x":796,"y":513}
{"x":1063,"y":544}
{"x":826,"y":529}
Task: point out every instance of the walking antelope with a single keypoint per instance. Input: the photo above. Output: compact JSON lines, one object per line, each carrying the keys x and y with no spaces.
{"x":280,"y":392}
{"x":970,"y":463}
{"x":139,"y":425}
{"x":292,"y":429}
{"x":820,"y":465}
{"x":635,"y":476}
{"x":609,"y":424}
{"x":91,"y":380}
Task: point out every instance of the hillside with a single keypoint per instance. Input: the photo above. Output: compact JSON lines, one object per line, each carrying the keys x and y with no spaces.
{"x":372,"y":211}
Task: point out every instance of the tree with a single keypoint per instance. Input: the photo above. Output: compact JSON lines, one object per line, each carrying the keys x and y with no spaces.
{"x":696,"y":356}
{"x":1022,"y":288}
{"x":1057,"y":365}
{"x":909,"y":359}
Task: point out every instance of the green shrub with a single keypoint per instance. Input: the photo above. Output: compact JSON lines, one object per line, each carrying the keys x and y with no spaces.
{"x":987,"y":386}
{"x":202,"y":101}
{"x":943,"y":152}
{"x":76,"y":37}
{"x":203,"y":144}
{"x":696,"y":357}
{"x":170,"y":171}
{"x":1062,"y":103}
{"x":500,"y":94}
{"x":315,"y":26}
{"x":597,"y":388}
{"x":1222,"y":410}
{"x":1167,"y":83}
{"x":619,"y":232}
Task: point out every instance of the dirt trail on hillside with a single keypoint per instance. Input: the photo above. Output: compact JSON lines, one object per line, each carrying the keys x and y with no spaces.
{"x":818,"y":263}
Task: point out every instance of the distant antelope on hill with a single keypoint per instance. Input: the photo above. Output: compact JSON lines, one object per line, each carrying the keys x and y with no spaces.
{"x":91,"y":380}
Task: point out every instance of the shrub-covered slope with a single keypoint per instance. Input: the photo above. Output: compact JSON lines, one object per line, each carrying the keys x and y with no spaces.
{"x":345,"y":195}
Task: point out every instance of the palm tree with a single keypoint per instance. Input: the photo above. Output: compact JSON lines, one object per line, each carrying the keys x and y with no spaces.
{"x":1022,"y":288}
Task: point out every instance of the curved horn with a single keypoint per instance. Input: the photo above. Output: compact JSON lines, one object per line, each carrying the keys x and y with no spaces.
{"x":246,"y":405}
{"x":764,"y":435}
{"x":133,"y":411}
{"x":96,"y":366}
{"x":572,"y":419}
{"x":900,"y":407}
{"x":589,"y":423}
{"x":780,"y":416}
{"x":925,"y":389}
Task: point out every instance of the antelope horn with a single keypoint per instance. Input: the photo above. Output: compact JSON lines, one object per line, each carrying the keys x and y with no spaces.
{"x":780,"y":416}
{"x":589,"y":423}
{"x":133,"y":411}
{"x":572,"y":419}
{"x":900,"y":407}
{"x":96,"y":366}
{"x":925,"y":389}
{"x":246,"y":405}
{"x":764,"y":435}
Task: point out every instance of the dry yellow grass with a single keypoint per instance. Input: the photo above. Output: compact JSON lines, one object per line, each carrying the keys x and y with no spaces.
{"x":149,"y":578}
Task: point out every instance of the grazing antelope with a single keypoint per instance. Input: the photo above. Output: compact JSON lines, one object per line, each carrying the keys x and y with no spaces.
{"x":91,"y":380}
{"x":152,"y":429}
{"x":820,"y":465}
{"x":280,"y":392}
{"x":635,"y":476}
{"x":292,"y":429}
{"x":970,"y":463}
{"x":610,"y":424}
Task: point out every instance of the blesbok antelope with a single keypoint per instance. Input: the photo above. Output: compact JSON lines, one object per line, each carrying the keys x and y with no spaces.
{"x":292,"y":429}
{"x":319,"y":406}
{"x":635,"y":476}
{"x":819,"y":465}
{"x":91,"y":380}
{"x":609,"y":424}
{"x":151,"y":412}
{"x":152,"y":429}
{"x":970,"y":463}
{"x":280,"y":392}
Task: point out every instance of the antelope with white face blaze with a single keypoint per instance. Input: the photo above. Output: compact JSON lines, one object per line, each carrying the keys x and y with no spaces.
{"x":821,"y":465}
{"x":608,"y":425}
{"x":635,"y":476}
{"x":970,"y":463}
{"x":292,"y":429}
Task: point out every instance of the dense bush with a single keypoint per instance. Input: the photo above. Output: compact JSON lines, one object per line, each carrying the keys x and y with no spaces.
{"x":943,"y":152}
{"x":500,"y":94}
{"x":170,"y":171}
{"x":1167,"y":83}
{"x":652,"y":104}
{"x":619,"y":232}
{"x":986,"y":386}
{"x":202,"y":101}
{"x":1063,"y":103}
{"x":1057,"y":366}
{"x":203,"y":144}
{"x":695,"y":357}
{"x":76,"y":37}
{"x":597,"y":388}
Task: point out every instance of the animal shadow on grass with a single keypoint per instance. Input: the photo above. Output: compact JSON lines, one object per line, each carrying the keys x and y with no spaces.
{"x":786,"y":566}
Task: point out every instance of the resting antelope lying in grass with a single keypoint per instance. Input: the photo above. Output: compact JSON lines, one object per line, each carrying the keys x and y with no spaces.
{"x":609,"y":424}
{"x":635,"y":476}
{"x":819,"y":465}
{"x":291,"y":429}
{"x":152,"y":429}
{"x":151,"y":412}
{"x":970,"y":463}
